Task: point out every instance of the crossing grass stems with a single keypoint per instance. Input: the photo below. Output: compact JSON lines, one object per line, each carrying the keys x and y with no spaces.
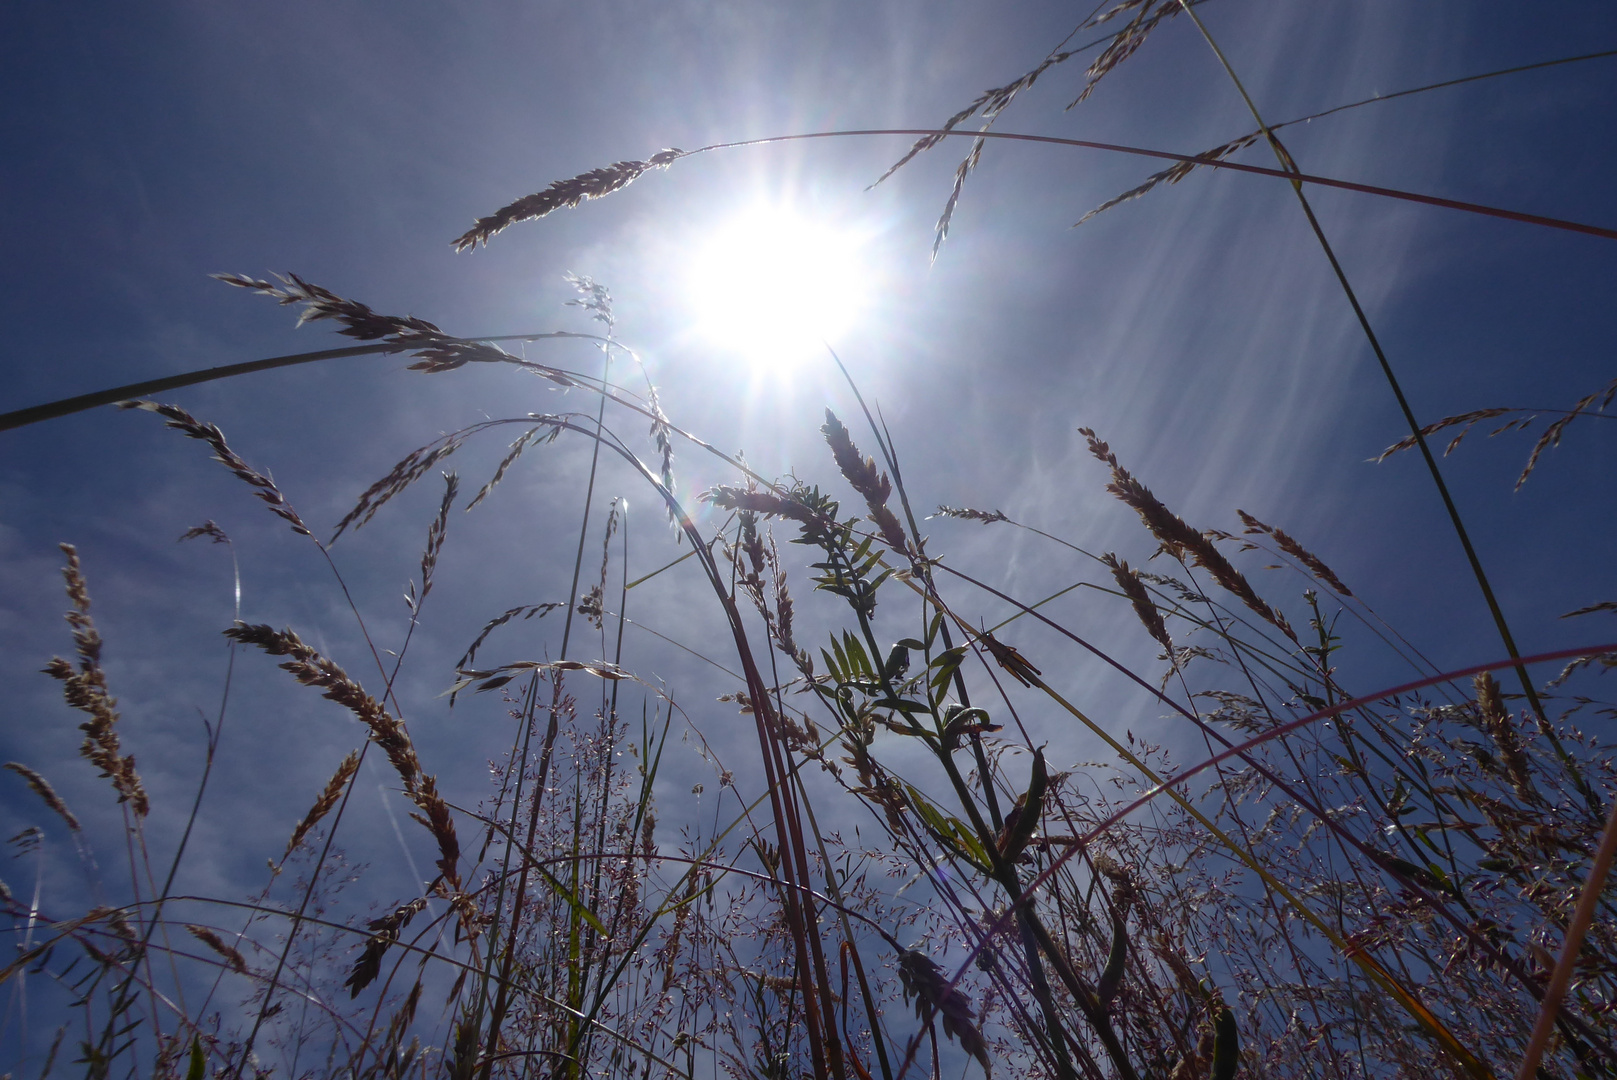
{"x":1353,"y":883}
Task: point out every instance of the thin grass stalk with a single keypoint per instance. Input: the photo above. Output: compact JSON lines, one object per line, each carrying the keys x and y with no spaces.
{"x":1289,"y":165}
{"x":1170,"y":785}
{"x":1378,"y":974}
{"x":789,"y":833}
{"x":1561,"y":977}
{"x":502,"y":997}
{"x":1465,"y":927}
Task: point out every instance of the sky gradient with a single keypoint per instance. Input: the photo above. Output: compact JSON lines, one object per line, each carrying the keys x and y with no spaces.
{"x":1199,"y":330}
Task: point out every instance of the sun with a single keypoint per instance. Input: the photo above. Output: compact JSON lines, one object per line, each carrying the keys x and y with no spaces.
{"x":773,"y":286}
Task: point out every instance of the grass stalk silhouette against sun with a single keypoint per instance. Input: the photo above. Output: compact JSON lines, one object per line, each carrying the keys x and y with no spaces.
{"x":1350,"y":881}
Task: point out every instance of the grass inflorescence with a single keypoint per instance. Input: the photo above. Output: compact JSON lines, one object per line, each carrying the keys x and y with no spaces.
{"x":1343,"y":881}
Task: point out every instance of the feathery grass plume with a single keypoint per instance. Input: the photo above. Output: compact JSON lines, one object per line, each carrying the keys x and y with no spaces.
{"x":436,"y":351}
{"x":925,"y":982}
{"x":1315,"y":564}
{"x":987,"y":517}
{"x":527,"y":612}
{"x":751,"y":544}
{"x":1552,"y":434}
{"x":435,"y":537}
{"x":212,"y":940}
{"x":1469,"y":419}
{"x":411,"y":468}
{"x":569,"y":193}
{"x":1173,"y":174}
{"x":1591,"y":404}
{"x":387,"y":929}
{"x":1144,"y":607}
{"x":207,"y":528}
{"x":43,"y":789}
{"x":594,"y":298}
{"x":192,"y":428}
{"x":596,"y":598}
{"x":940,"y":231}
{"x":991,"y":103}
{"x":867,"y":480}
{"x":387,"y":732}
{"x":1149,"y":14}
{"x":325,"y":802}
{"x":518,"y":445}
{"x":393,"y":1063}
{"x":782,"y":625}
{"x":1496,"y":721}
{"x":1178,"y":538}
{"x":85,"y":689}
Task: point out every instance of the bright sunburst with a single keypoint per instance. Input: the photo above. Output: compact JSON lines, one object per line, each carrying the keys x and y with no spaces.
{"x":773,"y":286}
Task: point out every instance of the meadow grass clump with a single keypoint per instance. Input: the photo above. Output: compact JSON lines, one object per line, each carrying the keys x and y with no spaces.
{"x":1340,"y":880}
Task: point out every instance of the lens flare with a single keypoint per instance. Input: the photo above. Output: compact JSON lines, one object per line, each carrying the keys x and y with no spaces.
{"x":773,"y":287}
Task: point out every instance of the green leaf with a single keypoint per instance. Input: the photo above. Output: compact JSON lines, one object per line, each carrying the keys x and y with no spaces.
{"x":1030,"y":810}
{"x":199,"y":1062}
{"x":572,"y":900}
{"x":858,"y":659}
{"x":1226,"y":1045}
{"x":945,"y":664}
{"x":952,"y":832}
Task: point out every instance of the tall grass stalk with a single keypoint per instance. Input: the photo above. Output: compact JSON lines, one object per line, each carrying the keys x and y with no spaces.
{"x":1343,"y":881}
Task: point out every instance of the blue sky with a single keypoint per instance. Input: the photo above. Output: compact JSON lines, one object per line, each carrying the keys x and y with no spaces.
{"x":1198,"y":329}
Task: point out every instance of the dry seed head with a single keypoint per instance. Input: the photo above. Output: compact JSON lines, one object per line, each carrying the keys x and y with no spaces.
{"x":1173,"y":174}
{"x":1144,"y":607}
{"x":1552,"y":434}
{"x":1178,"y":538}
{"x":1497,"y":722}
{"x":386,"y":731}
{"x":1315,"y":564}
{"x":594,"y":298}
{"x":783,"y":622}
{"x":963,"y":170}
{"x":213,"y":941}
{"x":387,"y":929}
{"x":436,"y":533}
{"x":85,"y":688}
{"x":413,"y":466}
{"x":987,"y":517}
{"x":264,"y":487}
{"x":924,"y":981}
{"x":860,"y":471}
{"x":751,"y":543}
{"x":1127,"y":41}
{"x":326,"y":801}
{"x":565,"y":193}
{"x":436,"y":350}
{"x":866,"y":479}
{"x":527,"y":611}
{"x":357,"y":319}
{"x":207,"y":528}
{"x":43,"y":789}
{"x":435,"y":816}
